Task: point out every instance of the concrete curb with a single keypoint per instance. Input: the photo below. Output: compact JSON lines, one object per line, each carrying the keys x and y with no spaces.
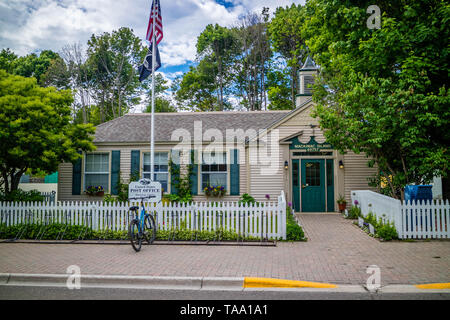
{"x":203,"y":283}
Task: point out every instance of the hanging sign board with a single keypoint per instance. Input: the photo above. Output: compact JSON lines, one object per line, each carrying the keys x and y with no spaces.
{"x":145,"y":189}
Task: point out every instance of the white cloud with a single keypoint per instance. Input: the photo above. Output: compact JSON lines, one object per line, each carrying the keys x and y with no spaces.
{"x":32,"y":25}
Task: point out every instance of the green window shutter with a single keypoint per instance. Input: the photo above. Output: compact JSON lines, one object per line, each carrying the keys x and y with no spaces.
{"x":135,"y":163}
{"x":194,"y":176}
{"x":76,"y":177}
{"x":234,"y":173}
{"x":115,"y":171}
{"x":175,"y":176}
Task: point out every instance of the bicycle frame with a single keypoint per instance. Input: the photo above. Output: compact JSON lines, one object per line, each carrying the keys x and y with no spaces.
{"x":142,"y":217}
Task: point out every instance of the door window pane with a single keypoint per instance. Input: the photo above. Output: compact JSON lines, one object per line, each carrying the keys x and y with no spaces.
{"x":312,"y":174}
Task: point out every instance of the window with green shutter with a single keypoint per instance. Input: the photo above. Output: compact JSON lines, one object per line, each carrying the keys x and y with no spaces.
{"x":96,"y":170}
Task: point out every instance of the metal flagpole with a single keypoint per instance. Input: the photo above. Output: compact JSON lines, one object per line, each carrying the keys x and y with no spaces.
{"x":152,"y":143}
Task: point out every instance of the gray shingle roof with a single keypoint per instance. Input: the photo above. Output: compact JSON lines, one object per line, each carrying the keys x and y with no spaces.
{"x":136,"y":127}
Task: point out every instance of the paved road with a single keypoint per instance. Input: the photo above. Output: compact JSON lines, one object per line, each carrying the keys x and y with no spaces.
{"x":59,"y":293}
{"x":337,"y":252}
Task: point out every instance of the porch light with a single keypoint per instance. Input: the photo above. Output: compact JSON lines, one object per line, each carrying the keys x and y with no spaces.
{"x":286,"y":165}
{"x":341,"y":164}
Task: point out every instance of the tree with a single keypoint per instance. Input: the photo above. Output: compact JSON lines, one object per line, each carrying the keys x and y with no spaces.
{"x":35,"y":129}
{"x":30,"y":65}
{"x":162,"y":103}
{"x":114,"y":59}
{"x":217,"y":43}
{"x":384,"y":91}
{"x":285,"y":31}
{"x":7,"y":57}
{"x":196,"y":89}
{"x":279,"y":90}
{"x":251,"y":61}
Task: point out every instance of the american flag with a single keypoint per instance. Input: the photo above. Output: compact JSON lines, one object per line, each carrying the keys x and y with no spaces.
{"x":156,"y":8}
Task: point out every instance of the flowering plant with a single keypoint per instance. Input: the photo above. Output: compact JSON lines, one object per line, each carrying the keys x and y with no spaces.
{"x":268,"y":196}
{"x":215,"y":191}
{"x":94,"y":190}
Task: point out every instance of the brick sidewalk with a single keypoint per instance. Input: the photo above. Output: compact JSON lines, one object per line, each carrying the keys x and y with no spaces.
{"x":337,"y":252}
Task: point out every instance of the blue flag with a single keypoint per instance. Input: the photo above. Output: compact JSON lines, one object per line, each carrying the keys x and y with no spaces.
{"x":145,"y":70}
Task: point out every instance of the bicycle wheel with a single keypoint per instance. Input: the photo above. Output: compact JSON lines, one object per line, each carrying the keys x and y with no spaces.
{"x":134,"y":235}
{"x":149,"y":229}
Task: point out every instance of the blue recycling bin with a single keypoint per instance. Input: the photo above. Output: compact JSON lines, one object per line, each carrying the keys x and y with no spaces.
{"x":420,"y":192}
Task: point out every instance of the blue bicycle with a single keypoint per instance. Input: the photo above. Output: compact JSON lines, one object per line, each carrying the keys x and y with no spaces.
{"x":141,"y":227}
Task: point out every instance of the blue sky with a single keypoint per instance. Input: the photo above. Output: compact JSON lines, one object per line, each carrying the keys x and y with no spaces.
{"x":33,"y":25}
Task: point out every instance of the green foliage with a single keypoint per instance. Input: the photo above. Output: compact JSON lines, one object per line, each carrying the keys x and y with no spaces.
{"x":341,"y":199}
{"x":293,"y":231}
{"x":182,"y":183}
{"x":196,"y":89}
{"x":20,"y":195}
{"x":73,"y":233}
{"x":246,"y":199}
{"x":354,"y":213}
{"x":387,"y":232}
{"x":31,"y":65}
{"x":372,"y":219}
{"x":285,"y":31}
{"x":383,"y":230}
{"x":218,"y":45}
{"x":51,"y":231}
{"x":113,"y":60}
{"x":279,"y":89}
{"x":384,"y":91}
{"x":35,"y":129}
{"x":162,"y":103}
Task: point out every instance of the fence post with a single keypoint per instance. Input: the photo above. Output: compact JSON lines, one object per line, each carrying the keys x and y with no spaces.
{"x":282,"y":208}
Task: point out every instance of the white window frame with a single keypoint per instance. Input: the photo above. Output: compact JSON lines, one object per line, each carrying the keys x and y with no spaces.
{"x":227,"y":172}
{"x":108,"y":187}
{"x":148,"y":172}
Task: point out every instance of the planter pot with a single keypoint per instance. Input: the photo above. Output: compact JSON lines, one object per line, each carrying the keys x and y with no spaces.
{"x":100,"y":194}
{"x":360,"y":222}
{"x":342,"y":206}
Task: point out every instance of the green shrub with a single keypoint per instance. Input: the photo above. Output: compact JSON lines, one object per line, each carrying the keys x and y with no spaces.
{"x":32,"y":231}
{"x":387,"y":232}
{"x":293,"y":231}
{"x":246,"y":199}
{"x":73,"y":232}
{"x":20,"y":195}
{"x":354,"y":213}
{"x":371,"y":218}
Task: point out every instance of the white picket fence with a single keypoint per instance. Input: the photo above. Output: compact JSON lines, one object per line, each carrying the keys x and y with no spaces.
{"x":413,"y":219}
{"x":267,"y":219}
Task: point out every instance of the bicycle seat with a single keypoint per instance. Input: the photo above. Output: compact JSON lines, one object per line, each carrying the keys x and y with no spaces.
{"x":135,"y":208}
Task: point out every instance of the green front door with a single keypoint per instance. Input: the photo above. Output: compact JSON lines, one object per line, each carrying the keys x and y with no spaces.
{"x":313,"y":185}
{"x":296,"y":184}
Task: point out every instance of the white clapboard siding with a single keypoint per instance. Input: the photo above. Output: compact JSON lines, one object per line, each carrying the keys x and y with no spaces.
{"x":267,"y":219}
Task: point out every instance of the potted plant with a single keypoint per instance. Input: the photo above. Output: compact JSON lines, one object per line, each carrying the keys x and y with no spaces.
{"x":342,"y":203}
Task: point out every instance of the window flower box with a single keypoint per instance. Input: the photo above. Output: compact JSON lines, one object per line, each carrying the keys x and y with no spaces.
{"x":95,"y":191}
{"x":215,"y":191}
